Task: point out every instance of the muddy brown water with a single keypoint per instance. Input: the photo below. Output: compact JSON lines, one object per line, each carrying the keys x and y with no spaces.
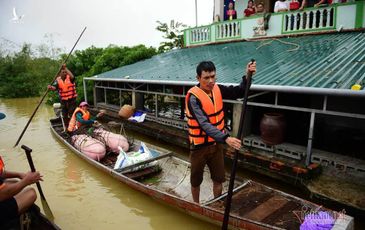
{"x":80,"y":196}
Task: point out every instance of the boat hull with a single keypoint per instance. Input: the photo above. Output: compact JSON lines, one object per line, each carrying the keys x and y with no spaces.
{"x":254,"y":206}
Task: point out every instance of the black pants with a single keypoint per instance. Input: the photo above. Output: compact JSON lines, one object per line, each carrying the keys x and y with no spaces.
{"x":68,"y":107}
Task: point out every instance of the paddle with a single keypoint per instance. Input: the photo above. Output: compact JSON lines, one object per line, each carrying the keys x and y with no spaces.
{"x":234,"y":164}
{"x":45,"y":205}
{"x":45,"y":93}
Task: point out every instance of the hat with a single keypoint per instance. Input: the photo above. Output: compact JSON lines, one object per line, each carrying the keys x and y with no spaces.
{"x":84,"y":103}
{"x":2,"y":116}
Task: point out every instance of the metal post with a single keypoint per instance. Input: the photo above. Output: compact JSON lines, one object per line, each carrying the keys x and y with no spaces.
{"x":196,"y":13}
{"x":310,"y":137}
{"x":120,"y":98}
{"x":84,"y":85}
{"x":276,"y":98}
{"x":156,"y":112}
{"x":325,"y":103}
{"x":95,"y":94}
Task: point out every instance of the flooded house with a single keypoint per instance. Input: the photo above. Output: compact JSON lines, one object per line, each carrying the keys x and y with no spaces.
{"x":309,"y":84}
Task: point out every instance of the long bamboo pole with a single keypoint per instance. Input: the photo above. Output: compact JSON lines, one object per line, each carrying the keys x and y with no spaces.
{"x":45,"y":93}
{"x":235,"y":159}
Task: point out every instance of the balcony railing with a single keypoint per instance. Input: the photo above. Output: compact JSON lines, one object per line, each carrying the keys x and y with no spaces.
{"x":228,"y":30}
{"x":314,"y":19}
{"x":201,"y":34}
{"x":333,"y":17}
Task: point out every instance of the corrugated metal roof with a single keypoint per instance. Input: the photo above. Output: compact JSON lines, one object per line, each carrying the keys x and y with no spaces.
{"x":331,"y":61}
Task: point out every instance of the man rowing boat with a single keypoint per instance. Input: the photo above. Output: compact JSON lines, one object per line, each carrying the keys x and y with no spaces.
{"x":15,"y":195}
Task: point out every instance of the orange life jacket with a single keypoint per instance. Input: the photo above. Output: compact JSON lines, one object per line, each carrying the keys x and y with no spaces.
{"x":66,"y":88}
{"x":2,"y":169}
{"x":213,"y":109}
{"x":74,"y":124}
{"x":2,"y":166}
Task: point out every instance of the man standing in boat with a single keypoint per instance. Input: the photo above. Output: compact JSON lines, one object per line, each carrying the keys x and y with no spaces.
{"x":204,"y":110}
{"x":65,"y":83}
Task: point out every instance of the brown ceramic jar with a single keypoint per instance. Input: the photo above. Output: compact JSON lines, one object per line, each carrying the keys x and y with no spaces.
{"x":272,"y":128}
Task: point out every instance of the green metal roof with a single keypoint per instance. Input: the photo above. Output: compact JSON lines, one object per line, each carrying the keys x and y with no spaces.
{"x":330,"y":61}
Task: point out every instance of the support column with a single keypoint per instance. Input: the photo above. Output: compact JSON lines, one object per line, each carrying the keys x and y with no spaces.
{"x":310,"y":137}
{"x":139,"y":101}
{"x":85,"y":94}
{"x":134,"y":99}
{"x":218,"y":9}
{"x":237,"y":110}
{"x":156,"y":105}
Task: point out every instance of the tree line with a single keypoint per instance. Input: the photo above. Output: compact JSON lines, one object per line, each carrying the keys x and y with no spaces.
{"x":24,"y":75}
{"x":27,"y":73}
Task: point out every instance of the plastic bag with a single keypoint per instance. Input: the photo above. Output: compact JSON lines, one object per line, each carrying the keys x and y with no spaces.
{"x":126,"y":159}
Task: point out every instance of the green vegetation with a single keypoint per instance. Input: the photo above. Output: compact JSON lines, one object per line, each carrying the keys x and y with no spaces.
{"x":24,"y":75}
{"x":172,"y":33}
{"x":28,"y":72}
{"x":21,"y":75}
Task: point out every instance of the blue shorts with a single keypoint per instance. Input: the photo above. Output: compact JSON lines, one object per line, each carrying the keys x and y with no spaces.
{"x":8,"y":210}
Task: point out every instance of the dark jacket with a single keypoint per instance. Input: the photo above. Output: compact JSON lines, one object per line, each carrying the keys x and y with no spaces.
{"x":195,"y":107}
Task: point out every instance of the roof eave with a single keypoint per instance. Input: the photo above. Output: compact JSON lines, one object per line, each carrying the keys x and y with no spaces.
{"x":309,"y":90}
{"x":255,"y":87}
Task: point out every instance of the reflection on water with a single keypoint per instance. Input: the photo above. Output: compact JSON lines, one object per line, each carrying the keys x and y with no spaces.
{"x":80,"y":196}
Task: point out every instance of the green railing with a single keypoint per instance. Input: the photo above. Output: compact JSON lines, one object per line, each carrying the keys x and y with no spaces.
{"x":345,"y":16}
{"x":313,"y":19}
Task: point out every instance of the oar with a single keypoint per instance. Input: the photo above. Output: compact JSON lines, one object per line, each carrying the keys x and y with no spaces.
{"x":45,"y":205}
{"x":45,"y":93}
{"x":234,"y":164}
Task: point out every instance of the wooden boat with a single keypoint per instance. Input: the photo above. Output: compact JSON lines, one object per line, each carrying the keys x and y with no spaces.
{"x":32,"y":219}
{"x":254,"y":206}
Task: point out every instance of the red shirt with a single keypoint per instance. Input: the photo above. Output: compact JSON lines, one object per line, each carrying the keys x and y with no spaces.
{"x":249,"y":11}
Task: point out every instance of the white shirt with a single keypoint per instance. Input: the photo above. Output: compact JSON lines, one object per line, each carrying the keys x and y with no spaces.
{"x":279,"y":5}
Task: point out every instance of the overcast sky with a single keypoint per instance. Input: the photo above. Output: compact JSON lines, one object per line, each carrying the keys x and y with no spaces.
{"x":119,"y":22}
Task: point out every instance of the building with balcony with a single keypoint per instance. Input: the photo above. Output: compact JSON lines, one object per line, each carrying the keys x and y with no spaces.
{"x":311,"y":70}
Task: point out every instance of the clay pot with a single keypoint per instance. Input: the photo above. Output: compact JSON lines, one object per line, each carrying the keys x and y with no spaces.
{"x":272,"y":128}
{"x":126,"y":111}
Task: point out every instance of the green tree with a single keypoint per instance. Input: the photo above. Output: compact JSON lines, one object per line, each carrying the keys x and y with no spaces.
{"x":22,"y":75}
{"x":172,"y":33}
{"x":81,"y":62}
{"x":93,"y":61}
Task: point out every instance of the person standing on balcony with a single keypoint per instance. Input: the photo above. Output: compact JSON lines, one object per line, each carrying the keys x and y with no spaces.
{"x":231,"y":12}
{"x":250,"y":10}
{"x":281,"y":6}
{"x":204,"y":110}
{"x":312,"y":3}
{"x":260,"y":8}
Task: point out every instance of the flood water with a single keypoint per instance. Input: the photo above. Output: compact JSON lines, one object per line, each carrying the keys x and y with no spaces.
{"x":82,"y":197}
{"x":79,"y":196}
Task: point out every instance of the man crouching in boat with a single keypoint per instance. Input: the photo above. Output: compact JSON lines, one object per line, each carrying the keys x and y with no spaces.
{"x":15,"y":197}
{"x":93,"y":141}
{"x":204,"y":110}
